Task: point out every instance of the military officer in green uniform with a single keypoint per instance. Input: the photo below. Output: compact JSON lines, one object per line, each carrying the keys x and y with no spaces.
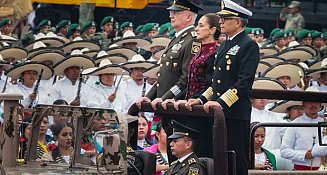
{"x":88,"y":29}
{"x":73,"y":31}
{"x":62,"y":26}
{"x":292,"y":16}
{"x":43,"y":27}
{"x":150,"y":30}
{"x":304,"y":37}
{"x":126,"y":26}
{"x":164,"y":29}
{"x":106,"y":36}
{"x":182,"y":144}
{"x":6,"y":27}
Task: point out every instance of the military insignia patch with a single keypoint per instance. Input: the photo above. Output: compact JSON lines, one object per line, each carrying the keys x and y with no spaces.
{"x":196,"y":47}
{"x":176,"y":47}
{"x":234,"y":50}
{"x":193,"y":171}
{"x":194,"y":34}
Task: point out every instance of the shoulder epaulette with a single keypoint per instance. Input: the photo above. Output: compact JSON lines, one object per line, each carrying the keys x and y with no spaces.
{"x":191,"y":161}
{"x":174,"y":162}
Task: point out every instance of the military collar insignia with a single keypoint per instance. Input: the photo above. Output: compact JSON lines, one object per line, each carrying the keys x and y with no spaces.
{"x":191,"y":160}
{"x":194,"y":34}
{"x":196,"y":47}
{"x":233,"y":50}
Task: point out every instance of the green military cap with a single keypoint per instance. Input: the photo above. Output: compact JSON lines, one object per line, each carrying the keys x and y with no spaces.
{"x":303,"y":34}
{"x":126,"y":24}
{"x":139,"y":29}
{"x":164,"y":28}
{"x":172,"y":33}
{"x":289,"y":32}
{"x":72,"y":28}
{"x":106,"y":20}
{"x":278,"y":35}
{"x":274,"y":31}
{"x":317,"y":34}
{"x":87,"y":25}
{"x":259,"y":31}
{"x":149,"y":27}
{"x":5,"y":21}
{"x":62,"y":23}
{"x":180,"y":130}
{"x":249,"y":30}
{"x":44,"y":23}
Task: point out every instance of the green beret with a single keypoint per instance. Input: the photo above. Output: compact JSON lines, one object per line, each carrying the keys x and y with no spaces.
{"x":126,"y":24}
{"x":164,"y":28}
{"x":317,"y":34}
{"x":106,"y":20}
{"x":273,"y":31}
{"x":44,"y":23}
{"x":172,"y":33}
{"x":139,"y":29}
{"x":278,"y":35}
{"x":249,"y":30}
{"x":149,"y":27}
{"x":5,"y":21}
{"x":72,"y":28}
{"x":62,"y":23}
{"x":289,"y":32}
{"x":259,"y":31}
{"x":303,"y":34}
{"x":87,"y":25}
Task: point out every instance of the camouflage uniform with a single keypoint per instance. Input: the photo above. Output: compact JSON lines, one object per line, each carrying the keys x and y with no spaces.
{"x":295,"y":22}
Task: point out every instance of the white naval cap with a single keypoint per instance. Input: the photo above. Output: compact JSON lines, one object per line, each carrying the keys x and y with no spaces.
{"x":230,"y":8}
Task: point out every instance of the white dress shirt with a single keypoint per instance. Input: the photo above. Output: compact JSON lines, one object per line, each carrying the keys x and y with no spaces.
{"x":298,"y":140}
{"x":320,"y":151}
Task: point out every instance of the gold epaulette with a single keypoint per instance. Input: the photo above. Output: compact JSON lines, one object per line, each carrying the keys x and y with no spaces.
{"x":208,"y":93}
{"x":191,"y":161}
{"x":230,"y":97}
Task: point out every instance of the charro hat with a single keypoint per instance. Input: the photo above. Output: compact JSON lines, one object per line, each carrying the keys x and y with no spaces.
{"x":76,"y":58}
{"x":272,"y":60}
{"x":16,"y":71}
{"x":294,"y":4}
{"x":268,"y":83}
{"x":47,"y":55}
{"x":295,"y":53}
{"x":62,"y":23}
{"x":283,"y":106}
{"x":230,"y":8}
{"x":106,"y":20}
{"x":152,"y":72}
{"x":129,"y":37}
{"x":114,"y":58}
{"x":180,"y":130}
{"x":107,"y":67}
{"x":262,"y":66}
{"x":180,"y":5}
{"x":6,"y":65}
{"x":268,"y":51}
{"x":293,"y":70}
{"x":309,"y":48}
{"x":315,"y":65}
{"x":128,"y":52}
{"x":315,"y":74}
{"x":138,"y":61}
{"x":158,"y":53}
{"x":18,"y":53}
{"x":159,"y":41}
{"x":79,"y":43}
{"x":50,"y":40}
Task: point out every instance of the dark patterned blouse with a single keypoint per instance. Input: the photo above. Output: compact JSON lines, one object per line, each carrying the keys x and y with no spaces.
{"x":200,"y":66}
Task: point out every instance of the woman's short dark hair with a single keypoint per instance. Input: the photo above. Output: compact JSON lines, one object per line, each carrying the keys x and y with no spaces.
{"x":213,"y":21}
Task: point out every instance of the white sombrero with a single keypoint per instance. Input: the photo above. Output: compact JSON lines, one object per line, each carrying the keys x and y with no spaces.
{"x":152,"y":72}
{"x":50,"y":40}
{"x":129,"y":37}
{"x":79,"y":43}
{"x":47,"y":55}
{"x":296,"y":53}
{"x":138,"y":61}
{"x":293,"y":70}
{"x":6,"y":65}
{"x":4,"y":40}
{"x":106,"y":67}
{"x":91,"y":53}
{"x":159,"y":41}
{"x":309,"y":48}
{"x":315,"y":74}
{"x":268,"y":83}
{"x":114,"y":58}
{"x":159,"y":53}
{"x":75,"y":59}
{"x":283,"y":106}
{"x":18,"y":53}
{"x":122,"y":50}
{"x":315,"y":64}
{"x":262,"y":66}
{"x":40,"y":46}
{"x":272,"y":60}
{"x":16,"y":71}
{"x":268,"y":51}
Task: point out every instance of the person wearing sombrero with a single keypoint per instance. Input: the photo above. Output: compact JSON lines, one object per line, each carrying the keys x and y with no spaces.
{"x":131,"y":41}
{"x":260,"y":114}
{"x":297,"y":142}
{"x":158,"y":43}
{"x":13,"y":54}
{"x":71,"y":88}
{"x":320,"y":75}
{"x":137,"y":84}
{"x":27,"y":74}
{"x":105,"y":87}
{"x":292,"y":109}
{"x":61,"y":27}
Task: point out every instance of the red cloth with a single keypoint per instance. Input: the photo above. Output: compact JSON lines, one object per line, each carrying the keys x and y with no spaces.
{"x":302,"y":167}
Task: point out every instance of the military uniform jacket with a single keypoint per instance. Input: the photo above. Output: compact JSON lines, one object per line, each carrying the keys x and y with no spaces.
{"x":172,"y":76}
{"x":190,"y":166}
{"x":234,"y":69}
{"x":295,"y":22}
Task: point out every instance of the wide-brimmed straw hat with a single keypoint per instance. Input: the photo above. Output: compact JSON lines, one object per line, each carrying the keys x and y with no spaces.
{"x":152,"y":72}
{"x":159,"y":41}
{"x":159,"y":53}
{"x":6,"y":65}
{"x":315,"y":74}
{"x":262,"y":66}
{"x":268,"y":83}
{"x":50,"y":40}
{"x":122,"y":50}
{"x":300,"y":54}
{"x":138,"y":61}
{"x":18,"y":53}
{"x":316,"y":64}
{"x":293,"y":70}
{"x":40,"y":46}
{"x":16,"y":71}
{"x":283,"y":106}
{"x":107,"y":67}
{"x":114,"y":58}
{"x":79,"y":43}
{"x":272,"y":60}
{"x":267,"y":51}
{"x":75,"y":59}
{"x":47,"y":55}
{"x":309,"y":48}
{"x":129,"y":37}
